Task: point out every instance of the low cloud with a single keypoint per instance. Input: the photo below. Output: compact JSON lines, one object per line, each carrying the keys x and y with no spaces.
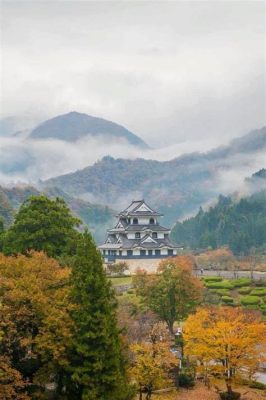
{"x":25,"y":160}
{"x":28,"y":160}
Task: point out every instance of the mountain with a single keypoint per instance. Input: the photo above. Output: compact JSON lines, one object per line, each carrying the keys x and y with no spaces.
{"x":241,"y":225}
{"x":253,"y":141}
{"x":74,"y":126}
{"x":257,"y":181}
{"x":176,"y":187}
{"x":97,"y":217}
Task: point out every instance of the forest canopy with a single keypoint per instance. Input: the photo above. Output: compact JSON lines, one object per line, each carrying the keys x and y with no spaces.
{"x":241,"y":225}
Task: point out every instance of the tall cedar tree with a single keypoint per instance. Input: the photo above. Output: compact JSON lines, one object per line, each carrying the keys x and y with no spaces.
{"x":97,"y":365}
{"x":42,"y":224}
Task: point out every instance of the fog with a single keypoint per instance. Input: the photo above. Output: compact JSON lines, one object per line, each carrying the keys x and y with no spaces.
{"x":176,"y":72}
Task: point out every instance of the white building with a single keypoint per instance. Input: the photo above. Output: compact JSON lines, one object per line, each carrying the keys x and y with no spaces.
{"x":138,"y":235}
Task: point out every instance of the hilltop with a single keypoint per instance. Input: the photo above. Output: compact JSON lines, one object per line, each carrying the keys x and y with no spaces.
{"x":74,"y":126}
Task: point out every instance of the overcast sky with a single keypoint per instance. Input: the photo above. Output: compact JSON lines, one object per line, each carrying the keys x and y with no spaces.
{"x":169,"y":71}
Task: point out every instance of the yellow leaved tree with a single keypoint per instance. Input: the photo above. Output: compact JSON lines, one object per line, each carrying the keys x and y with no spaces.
{"x":152,"y":362}
{"x":225,"y":342}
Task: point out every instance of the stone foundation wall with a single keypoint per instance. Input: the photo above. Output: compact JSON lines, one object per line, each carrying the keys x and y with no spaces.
{"x":150,"y":264}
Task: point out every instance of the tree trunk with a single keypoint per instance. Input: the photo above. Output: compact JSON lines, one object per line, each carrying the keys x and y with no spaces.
{"x":171,"y":327}
{"x":229,"y":386}
{"x":140,"y":393}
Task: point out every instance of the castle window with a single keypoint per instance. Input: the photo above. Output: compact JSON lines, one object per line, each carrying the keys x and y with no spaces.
{"x":143,"y":252}
{"x":170,"y":252}
{"x":129,"y":252}
{"x":137,"y":235}
{"x":152,"y":221}
{"x":154,"y":235}
{"x":157,"y":252}
{"x":135,"y":221}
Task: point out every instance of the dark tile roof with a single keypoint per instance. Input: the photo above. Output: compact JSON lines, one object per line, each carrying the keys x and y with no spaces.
{"x":141,"y":228}
{"x":133,"y":243}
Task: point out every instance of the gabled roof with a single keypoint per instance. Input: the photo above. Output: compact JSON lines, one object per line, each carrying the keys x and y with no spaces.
{"x":148,"y":239}
{"x":139,"y":207}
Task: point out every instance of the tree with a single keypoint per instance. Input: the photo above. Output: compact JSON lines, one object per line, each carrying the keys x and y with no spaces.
{"x":12,"y":385}
{"x":225,"y":342}
{"x":173,"y":292}
{"x":42,"y":224}
{"x":34,"y":319}
{"x":118,"y":268}
{"x":152,"y":362}
{"x":96,"y":361}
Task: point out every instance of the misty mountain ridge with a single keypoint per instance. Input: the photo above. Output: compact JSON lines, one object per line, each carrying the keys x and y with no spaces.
{"x":177,"y":187}
{"x":74,"y":126}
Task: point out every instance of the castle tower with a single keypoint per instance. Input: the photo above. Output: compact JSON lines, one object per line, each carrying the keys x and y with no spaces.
{"x":138,"y":235}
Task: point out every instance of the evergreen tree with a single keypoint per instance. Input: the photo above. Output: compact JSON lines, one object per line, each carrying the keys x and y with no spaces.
{"x":97,"y":366}
{"x":42,"y":224}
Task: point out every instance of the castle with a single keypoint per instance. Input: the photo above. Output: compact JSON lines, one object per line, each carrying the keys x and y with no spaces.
{"x":138,"y":235}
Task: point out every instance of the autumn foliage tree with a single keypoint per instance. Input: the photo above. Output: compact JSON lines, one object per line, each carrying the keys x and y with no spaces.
{"x":152,"y":362}
{"x":173,"y":292}
{"x":225,"y":342}
{"x":34,"y":320}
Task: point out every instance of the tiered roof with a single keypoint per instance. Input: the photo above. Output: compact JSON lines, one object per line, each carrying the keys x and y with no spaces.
{"x":117,"y":238}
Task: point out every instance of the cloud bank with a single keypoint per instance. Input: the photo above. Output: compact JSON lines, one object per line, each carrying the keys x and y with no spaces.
{"x":168,"y":71}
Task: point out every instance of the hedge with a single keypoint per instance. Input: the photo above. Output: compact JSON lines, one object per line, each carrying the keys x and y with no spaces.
{"x":219,"y":285}
{"x":241,"y":282}
{"x":213,"y":278}
{"x":227,"y":299}
{"x":258,"y":292}
{"x":220,"y":292}
{"x":260,"y":282}
{"x":250,"y":300}
{"x":244,"y":290}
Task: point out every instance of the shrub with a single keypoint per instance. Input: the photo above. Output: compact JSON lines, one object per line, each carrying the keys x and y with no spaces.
{"x":221,"y":292}
{"x":250,"y":300}
{"x":131,"y":291}
{"x":186,"y":381}
{"x":227,"y":299}
{"x":244,"y":290}
{"x":260,"y":282}
{"x":258,"y":292}
{"x":257,"y":385}
{"x":213,"y":278}
{"x":225,"y":284}
{"x":230,"y":396}
{"x":241,"y":282}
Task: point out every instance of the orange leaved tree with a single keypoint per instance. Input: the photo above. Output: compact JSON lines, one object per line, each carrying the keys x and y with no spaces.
{"x":225,"y":342}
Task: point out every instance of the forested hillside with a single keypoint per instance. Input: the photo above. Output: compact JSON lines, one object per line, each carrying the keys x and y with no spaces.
{"x":239,"y":224}
{"x":97,"y":217}
{"x":176,"y":187}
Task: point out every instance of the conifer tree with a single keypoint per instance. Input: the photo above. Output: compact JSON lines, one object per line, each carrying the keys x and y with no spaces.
{"x":97,"y":366}
{"x":42,"y":224}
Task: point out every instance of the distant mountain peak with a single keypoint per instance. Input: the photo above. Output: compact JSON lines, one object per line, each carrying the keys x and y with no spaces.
{"x":74,"y":125}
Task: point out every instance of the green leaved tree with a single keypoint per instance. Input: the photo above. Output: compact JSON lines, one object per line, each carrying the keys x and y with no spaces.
{"x":97,"y":365}
{"x":42,"y":224}
{"x":173,"y":292}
